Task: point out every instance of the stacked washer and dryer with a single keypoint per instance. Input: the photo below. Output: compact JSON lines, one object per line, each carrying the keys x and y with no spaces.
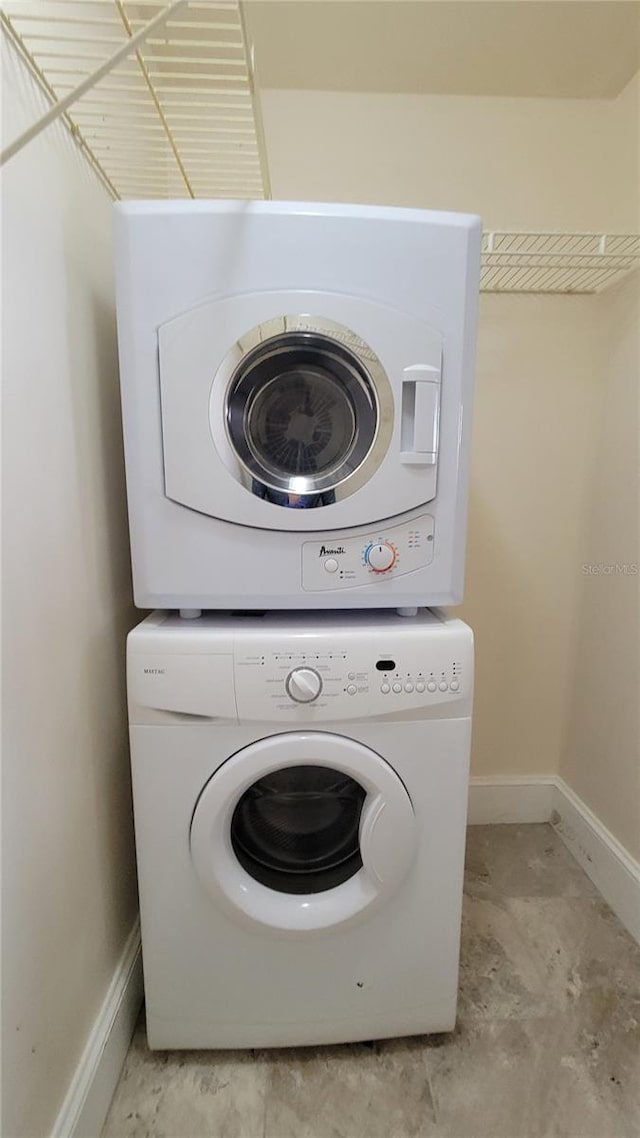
{"x":296,"y":384}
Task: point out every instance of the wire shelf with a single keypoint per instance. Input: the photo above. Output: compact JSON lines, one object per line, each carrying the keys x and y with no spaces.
{"x":176,"y":114}
{"x":556,"y":262}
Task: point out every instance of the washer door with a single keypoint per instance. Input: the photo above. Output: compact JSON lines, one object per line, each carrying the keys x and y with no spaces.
{"x":303,"y":831}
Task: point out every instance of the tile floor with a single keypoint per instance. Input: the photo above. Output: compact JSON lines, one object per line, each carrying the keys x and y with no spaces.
{"x":547,"y":1043}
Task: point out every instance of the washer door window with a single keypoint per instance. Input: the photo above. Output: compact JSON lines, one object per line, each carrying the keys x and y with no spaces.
{"x":297,"y":830}
{"x":303,"y":831}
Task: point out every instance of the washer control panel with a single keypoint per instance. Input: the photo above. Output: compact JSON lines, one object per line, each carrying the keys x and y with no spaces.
{"x":347,"y":682}
{"x":345,"y":562}
{"x":300,"y":668}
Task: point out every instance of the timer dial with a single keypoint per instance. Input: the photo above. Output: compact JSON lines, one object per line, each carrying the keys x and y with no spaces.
{"x":380,"y":556}
{"x":303,"y":685}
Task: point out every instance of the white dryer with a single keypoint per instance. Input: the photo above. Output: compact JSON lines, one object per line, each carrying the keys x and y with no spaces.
{"x":300,"y":793}
{"x":296,"y":385}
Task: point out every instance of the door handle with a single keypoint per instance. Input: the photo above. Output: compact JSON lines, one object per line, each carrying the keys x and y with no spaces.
{"x":420,"y":426}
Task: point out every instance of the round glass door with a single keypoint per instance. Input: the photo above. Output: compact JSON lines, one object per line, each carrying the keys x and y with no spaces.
{"x":307,"y":408}
{"x":302,"y":830}
{"x":297,"y":830}
{"x":301,"y":413}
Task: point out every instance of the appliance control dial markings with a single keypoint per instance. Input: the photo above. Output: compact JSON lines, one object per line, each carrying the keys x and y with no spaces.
{"x":380,"y":556}
{"x":303,"y":685}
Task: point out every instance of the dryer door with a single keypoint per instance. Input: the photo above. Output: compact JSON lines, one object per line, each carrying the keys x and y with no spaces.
{"x":303,"y":831}
{"x":300,"y":411}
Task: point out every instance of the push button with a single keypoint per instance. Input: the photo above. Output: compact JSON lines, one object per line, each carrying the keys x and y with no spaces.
{"x":397,"y":688}
{"x":408,"y":687}
{"x":431,"y":686}
{"x":443,"y":686}
{"x":455,"y":686}
{"x":385,"y":689}
{"x":331,"y":565}
{"x":351,"y":689}
{"x":420,"y":686}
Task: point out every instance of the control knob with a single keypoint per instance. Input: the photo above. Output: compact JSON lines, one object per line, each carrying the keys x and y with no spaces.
{"x":380,"y":556}
{"x":303,"y":685}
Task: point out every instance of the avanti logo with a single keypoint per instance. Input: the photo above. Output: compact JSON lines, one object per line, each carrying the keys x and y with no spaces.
{"x":326,"y":551}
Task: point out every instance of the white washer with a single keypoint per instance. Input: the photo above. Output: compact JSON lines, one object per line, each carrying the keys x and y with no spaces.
{"x":300,"y":792}
{"x":296,"y":384}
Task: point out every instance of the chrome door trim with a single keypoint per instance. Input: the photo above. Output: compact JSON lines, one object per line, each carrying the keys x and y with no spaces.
{"x":366,"y":361}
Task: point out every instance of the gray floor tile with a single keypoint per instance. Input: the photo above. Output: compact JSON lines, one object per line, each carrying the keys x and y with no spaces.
{"x":501,"y":976}
{"x":350,"y":1092}
{"x":594,"y":1091}
{"x":484,"y":1077}
{"x":522,"y":861}
{"x":188,"y":1094}
{"x":526,"y":1079}
{"x":578,"y":946}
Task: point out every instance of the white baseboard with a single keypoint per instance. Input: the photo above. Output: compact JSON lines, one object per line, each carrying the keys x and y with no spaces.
{"x":611,"y":868}
{"x":519,"y":798}
{"x":548,"y":798}
{"x":87,"y":1101}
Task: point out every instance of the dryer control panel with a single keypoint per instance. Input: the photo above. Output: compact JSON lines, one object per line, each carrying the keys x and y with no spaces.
{"x":344,"y":562}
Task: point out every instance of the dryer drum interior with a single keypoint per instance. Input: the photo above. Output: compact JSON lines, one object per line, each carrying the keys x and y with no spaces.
{"x":297,"y":829}
{"x":302,"y":413}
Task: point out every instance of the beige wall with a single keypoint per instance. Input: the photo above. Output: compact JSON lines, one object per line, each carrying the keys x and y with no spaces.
{"x":470,"y":47}
{"x":626,"y":129}
{"x":520,"y":163}
{"x":601,"y":758}
{"x":69,"y":895}
{"x":537,"y":389}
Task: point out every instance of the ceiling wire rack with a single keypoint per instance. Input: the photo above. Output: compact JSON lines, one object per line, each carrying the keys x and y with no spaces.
{"x":161,"y":97}
{"x":163,"y":101}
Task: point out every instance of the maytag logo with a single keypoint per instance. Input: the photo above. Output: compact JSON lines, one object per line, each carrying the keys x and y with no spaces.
{"x":326,"y":551}
{"x":153,"y":671}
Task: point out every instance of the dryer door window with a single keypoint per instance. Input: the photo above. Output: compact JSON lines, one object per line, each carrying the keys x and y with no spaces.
{"x":302,"y":830}
{"x":297,"y":830}
{"x":301,"y":410}
{"x":302,"y":417}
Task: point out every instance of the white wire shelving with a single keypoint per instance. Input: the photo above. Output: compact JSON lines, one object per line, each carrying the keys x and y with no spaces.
{"x":556,"y":262}
{"x":163,"y":100}
{"x":160,"y":96}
